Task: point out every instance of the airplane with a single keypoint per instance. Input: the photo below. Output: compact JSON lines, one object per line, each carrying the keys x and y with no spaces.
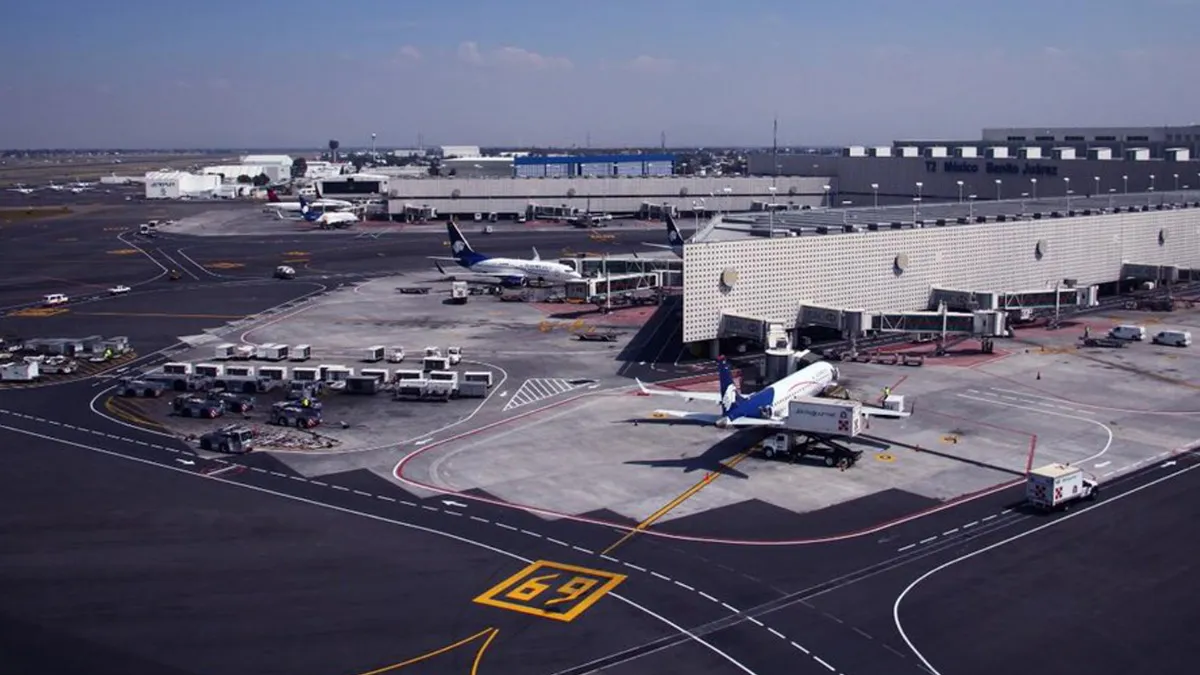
{"x":23,"y":190}
{"x":674,"y":238}
{"x":767,"y":408}
{"x":56,"y":187}
{"x":274,"y":204}
{"x":510,"y":271}
{"x":329,"y":220}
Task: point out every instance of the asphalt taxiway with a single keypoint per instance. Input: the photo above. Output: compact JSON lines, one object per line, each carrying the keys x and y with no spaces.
{"x":563,"y":539}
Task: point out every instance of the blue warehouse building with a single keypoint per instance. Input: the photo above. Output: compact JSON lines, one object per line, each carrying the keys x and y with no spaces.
{"x":574,"y":166}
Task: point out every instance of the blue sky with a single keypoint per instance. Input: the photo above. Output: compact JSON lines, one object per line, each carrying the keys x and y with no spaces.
{"x":135,"y":73}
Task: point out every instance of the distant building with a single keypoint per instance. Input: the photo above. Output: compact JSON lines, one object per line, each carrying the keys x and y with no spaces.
{"x":571,"y":166}
{"x":355,"y":186}
{"x":478,"y":167}
{"x":449,"y":151}
{"x":177,"y":184}
{"x":278,"y":167}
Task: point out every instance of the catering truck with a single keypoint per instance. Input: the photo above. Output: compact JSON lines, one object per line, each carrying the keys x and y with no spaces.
{"x":1055,"y":486}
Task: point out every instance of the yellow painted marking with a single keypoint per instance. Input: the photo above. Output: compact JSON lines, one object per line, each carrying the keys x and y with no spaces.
{"x":123,"y":251}
{"x":950,"y":438}
{"x":885,"y":457}
{"x":678,"y":500}
{"x":110,"y":404}
{"x":38,"y":312}
{"x":479,"y":654}
{"x":162,"y":315}
{"x":551,"y":590}
{"x":490,"y":632}
{"x":297,"y":254}
{"x":295,"y":261}
{"x":224,"y":265}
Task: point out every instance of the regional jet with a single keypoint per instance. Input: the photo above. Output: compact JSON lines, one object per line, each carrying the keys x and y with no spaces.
{"x":509,"y":271}
{"x":23,"y":190}
{"x":329,"y":220}
{"x":674,"y":238}
{"x":281,"y":207}
{"x":766,"y":408}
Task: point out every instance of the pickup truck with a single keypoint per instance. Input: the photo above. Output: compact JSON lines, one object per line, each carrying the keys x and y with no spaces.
{"x":118,"y":290}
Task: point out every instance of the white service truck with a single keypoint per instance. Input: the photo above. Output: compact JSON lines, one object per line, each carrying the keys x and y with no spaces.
{"x":1055,"y":486}
{"x":813,"y":429}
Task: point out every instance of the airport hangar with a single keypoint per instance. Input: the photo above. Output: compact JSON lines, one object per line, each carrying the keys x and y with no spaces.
{"x":887,"y":269}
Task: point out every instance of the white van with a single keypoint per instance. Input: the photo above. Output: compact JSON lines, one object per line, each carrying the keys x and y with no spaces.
{"x":1128,"y":332}
{"x":54,"y":299}
{"x":1173,"y":338}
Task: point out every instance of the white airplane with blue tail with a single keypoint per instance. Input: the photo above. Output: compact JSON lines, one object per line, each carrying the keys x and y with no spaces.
{"x":764,"y":409}
{"x":508,"y":271}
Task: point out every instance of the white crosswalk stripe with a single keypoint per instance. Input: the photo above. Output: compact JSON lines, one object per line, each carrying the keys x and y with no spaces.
{"x":539,"y":389}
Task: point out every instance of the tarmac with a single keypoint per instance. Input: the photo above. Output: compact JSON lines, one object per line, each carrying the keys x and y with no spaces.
{"x":667,"y":549}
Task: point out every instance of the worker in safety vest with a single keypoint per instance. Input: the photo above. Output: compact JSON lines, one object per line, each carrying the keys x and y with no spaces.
{"x":887,"y":391}
{"x":304,"y":402}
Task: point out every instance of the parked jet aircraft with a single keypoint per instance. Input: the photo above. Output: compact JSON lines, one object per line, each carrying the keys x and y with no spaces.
{"x":509,"y":271}
{"x":766,"y":408}
{"x":23,"y":190}
{"x":674,"y":238}
{"x":328,"y":220}
{"x":274,"y":204}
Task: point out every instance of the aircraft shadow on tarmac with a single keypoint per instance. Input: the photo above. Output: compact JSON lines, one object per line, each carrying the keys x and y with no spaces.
{"x":712,"y":459}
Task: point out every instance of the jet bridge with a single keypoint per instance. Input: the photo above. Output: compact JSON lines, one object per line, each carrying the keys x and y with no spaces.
{"x":982,"y":323}
{"x":957,"y":300}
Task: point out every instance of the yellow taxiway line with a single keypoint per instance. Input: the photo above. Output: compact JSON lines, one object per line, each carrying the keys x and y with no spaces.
{"x":490,"y":632}
{"x":684,"y":496}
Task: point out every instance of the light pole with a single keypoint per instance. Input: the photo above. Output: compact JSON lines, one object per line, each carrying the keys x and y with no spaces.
{"x":960,"y":191}
{"x":1024,"y":196}
{"x":487,"y":192}
{"x":771,"y":206}
{"x":1112,"y":195}
{"x":1176,"y":183}
{"x":875,"y":192}
{"x":846,"y":210}
{"x":827,"y":188}
{"x":727,"y":191}
{"x":971,"y":207}
{"x":1069,"y":193}
{"x":1152,"y":182}
{"x":1067,"y":182}
{"x":998,"y":181}
{"x":920,"y":187}
{"x":916,"y":204}
{"x":1033,"y":188}
{"x":1125,"y":181}
{"x":1097,"y":191}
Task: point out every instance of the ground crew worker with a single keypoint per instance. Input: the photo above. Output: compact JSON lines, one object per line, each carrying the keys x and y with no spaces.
{"x":887,"y":391}
{"x":304,"y":402}
{"x":1087,"y":332}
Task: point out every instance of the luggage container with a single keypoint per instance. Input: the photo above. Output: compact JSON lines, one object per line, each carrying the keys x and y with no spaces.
{"x":306,"y":374}
{"x":826,"y":416}
{"x":357,"y":384}
{"x":224,"y":351}
{"x":177,"y":368}
{"x":432,"y":363}
{"x":272,"y":352}
{"x":334,"y":373}
{"x":277,"y":373}
{"x":409,"y":390}
{"x":239,"y":371}
{"x":243,"y":352}
{"x":444,"y":376}
{"x":21,"y":371}
{"x":396,"y":355}
{"x":300,"y":353}
{"x":237,"y":384}
{"x":402,"y":375}
{"x":380,"y":374}
{"x":433,"y":351}
{"x":472,"y":389}
{"x":209,"y":369}
{"x":440,"y":390}
{"x":374,"y":354}
{"x":478,"y":376}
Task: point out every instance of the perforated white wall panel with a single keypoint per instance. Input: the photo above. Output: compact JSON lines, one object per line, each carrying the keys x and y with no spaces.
{"x":856,"y":271}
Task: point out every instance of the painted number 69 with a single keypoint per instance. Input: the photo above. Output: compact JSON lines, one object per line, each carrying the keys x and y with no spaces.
{"x":533,"y":587}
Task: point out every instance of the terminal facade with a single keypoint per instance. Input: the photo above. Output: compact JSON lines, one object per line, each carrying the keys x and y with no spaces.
{"x":859,"y":280}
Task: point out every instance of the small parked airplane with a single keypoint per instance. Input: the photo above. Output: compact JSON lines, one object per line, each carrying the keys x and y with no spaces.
{"x":23,"y":190}
{"x":766,"y":408}
{"x":329,"y":220}
{"x":509,"y":271}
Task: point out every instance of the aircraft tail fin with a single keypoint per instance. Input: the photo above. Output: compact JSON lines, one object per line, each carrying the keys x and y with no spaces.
{"x":674,"y":238}
{"x":535,"y":254}
{"x":460,"y":247}
{"x":730,"y":394}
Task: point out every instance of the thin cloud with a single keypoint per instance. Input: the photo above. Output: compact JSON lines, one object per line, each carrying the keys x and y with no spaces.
{"x":410,"y":53}
{"x":511,"y":57}
{"x":651,"y":65}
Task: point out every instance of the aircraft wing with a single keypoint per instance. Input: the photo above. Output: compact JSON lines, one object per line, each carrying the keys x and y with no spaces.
{"x":707,"y":396}
{"x":686,"y":416}
{"x":666,"y":246}
{"x":760,"y":422}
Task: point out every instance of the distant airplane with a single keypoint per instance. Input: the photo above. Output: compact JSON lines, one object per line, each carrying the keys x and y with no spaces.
{"x":329,"y":220}
{"x":274,"y":204}
{"x":674,"y":238}
{"x":23,"y":190}
{"x":509,"y":271}
{"x":56,"y":187}
{"x":766,"y":408}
